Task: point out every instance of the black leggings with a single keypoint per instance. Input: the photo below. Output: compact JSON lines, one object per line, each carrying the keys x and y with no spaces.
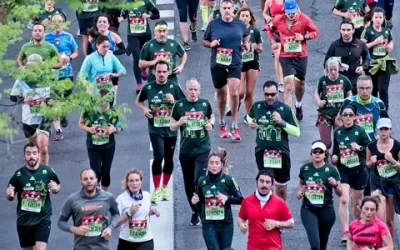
{"x":100,"y":160}
{"x":163,"y":149}
{"x":135,"y":44}
{"x":193,"y":167}
{"x":127,"y":245}
{"x":318,"y":222}
{"x":381,"y":82}
{"x":185,"y":6}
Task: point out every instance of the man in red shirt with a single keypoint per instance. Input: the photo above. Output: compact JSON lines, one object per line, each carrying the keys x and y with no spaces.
{"x":264,"y":214}
{"x":294,"y":29}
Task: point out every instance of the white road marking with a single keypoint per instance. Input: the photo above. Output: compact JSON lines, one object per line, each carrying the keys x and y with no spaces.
{"x":166,"y":13}
{"x":161,"y":2}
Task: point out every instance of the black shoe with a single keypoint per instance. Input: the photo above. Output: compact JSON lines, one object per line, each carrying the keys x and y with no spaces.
{"x":195,"y":221}
{"x":64,"y":122}
{"x":128,"y":51}
{"x":299,"y":113}
{"x":186,"y":46}
{"x":194,"y":33}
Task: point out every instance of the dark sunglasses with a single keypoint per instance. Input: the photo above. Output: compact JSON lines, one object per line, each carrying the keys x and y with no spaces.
{"x":348,"y":114}
{"x":384,"y":129}
{"x":270,"y":94}
{"x":318,"y":151}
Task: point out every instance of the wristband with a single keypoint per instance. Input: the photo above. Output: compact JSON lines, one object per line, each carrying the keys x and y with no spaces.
{"x":128,"y":214}
{"x":278,"y":225}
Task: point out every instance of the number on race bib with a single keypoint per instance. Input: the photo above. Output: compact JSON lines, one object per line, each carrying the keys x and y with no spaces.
{"x":272,"y":159}
{"x":214,"y":209}
{"x":95,"y":224}
{"x":315,"y":193}
{"x":31,"y":201}
{"x":385,"y":170}
{"x":224,"y":56}
{"x":137,"y":229}
{"x":349,"y":157}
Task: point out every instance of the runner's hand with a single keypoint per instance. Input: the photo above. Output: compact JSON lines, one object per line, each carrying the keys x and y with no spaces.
{"x":178,"y":69}
{"x":106,"y":233}
{"x":300,"y":195}
{"x":53,"y":186}
{"x":81,"y":230}
{"x":154,"y":211}
{"x":111,"y":129}
{"x":299,"y":37}
{"x":145,"y":15}
{"x":92,"y":130}
{"x":389,"y":157}
{"x":28,"y":99}
{"x":355,"y":146}
{"x":270,"y":224}
{"x":334,"y":159}
{"x":183,"y":120}
{"x":195,"y":199}
{"x":215,"y":43}
{"x":389,"y":47}
{"x":359,"y":70}
{"x":208,"y":126}
{"x":373,"y":159}
{"x":134,"y":208}
{"x":379,"y":40}
{"x":222,"y":197}
{"x":10,"y":191}
{"x":276,"y":117}
{"x":253,"y":124}
{"x":275,"y":46}
{"x":147,"y":113}
{"x":322,"y":103}
{"x":347,"y":15}
{"x":332,"y":181}
{"x":247,"y":46}
{"x":170,"y":98}
{"x":243,"y":227}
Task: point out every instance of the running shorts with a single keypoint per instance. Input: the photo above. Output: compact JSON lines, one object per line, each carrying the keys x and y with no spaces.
{"x":356,"y":178}
{"x":220,"y":75}
{"x":29,"y":235}
{"x":281,"y":175}
{"x":294,"y":66}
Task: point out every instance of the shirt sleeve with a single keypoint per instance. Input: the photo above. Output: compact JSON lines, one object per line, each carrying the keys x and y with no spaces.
{"x":339,"y":5}
{"x":335,"y":173}
{"x":85,"y":69}
{"x":366,"y":35}
{"x":175,"y":114}
{"x":179,"y":49}
{"x":245,"y":30}
{"x":242,"y":212}
{"x":301,"y":175}
{"x":285,"y":213}
{"x":118,"y":67}
{"x":207,"y":33}
{"x":347,"y":84}
{"x":142,"y":96}
{"x":145,"y":52}
{"x":335,"y":150}
{"x":114,"y":206}
{"x":16,"y":89}
{"x":74,"y":45}
{"x":54,"y":52}
{"x":22,"y":52}
{"x":209,"y":110}
{"x":383,"y":228}
{"x":53,"y":176}
{"x":312,"y":29}
{"x":66,"y":210}
{"x":13,"y":181}
{"x":390,"y":37}
{"x":179,"y":93}
{"x":365,"y":139}
{"x":257,"y":36}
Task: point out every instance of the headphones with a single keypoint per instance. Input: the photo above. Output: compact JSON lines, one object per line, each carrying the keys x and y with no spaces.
{"x":137,"y":197}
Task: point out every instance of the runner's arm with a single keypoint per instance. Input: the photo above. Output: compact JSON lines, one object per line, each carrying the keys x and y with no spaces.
{"x":82,"y":125}
{"x":387,"y":242}
{"x":183,"y":59}
{"x":335,"y":149}
{"x":207,"y":39}
{"x":174,"y":125}
{"x":155,"y":14}
{"x":312,"y":31}
{"x":121,"y":49}
{"x":114,"y":213}
{"x":365,"y":57}
{"x":235,"y":195}
{"x":290,"y":126}
{"x":145,"y":58}
{"x":118,"y":67}
{"x":271,"y":29}
{"x":350,"y":243}
{"x":330,"y":53}
{"x":266,"y":13}
{"x":65,"y":214}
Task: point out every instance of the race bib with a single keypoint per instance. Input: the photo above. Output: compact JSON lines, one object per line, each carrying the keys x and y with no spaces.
{"x":137,"y":229}
{"x":104,"y":82}
{"x":334,"y":93}
{"x":379,"y":50}
{"x":137,"y":24}
{"x":314,"y":192}
{"x":272,"y":159}
{"x":95,"y":224}
{"x":101,"y":137}
{"x":195,"y":121}
{"x":214,"y":209}
{"x":162,"y":118}
{"x":31,"y":201}
{"x":90,"y":6}
{"x":290,"y":45}
{"x":166,"y":56}
{"x":385,"y":170}
{"x":357,"y":20}
{"x":366,"y":122}
{"x":35,"y":104}
{"x":247,"y":55}
{"x":349,"y":158}
{"x":224,"y":56}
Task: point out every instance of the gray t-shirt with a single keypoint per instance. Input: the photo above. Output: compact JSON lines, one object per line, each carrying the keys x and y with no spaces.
{"x":91,"y":211}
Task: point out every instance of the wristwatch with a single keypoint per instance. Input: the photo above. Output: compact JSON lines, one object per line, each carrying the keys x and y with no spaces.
{"x":128,"y":214}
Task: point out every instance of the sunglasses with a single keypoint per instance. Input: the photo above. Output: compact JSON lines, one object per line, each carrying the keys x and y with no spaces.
{"x":348,"y":114}
{"x":270,"y":94}
{"x":384,"y":129}
{"x":318,"y":151}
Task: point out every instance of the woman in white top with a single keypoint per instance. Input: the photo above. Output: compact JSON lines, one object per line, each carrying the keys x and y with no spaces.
{"x":135,"y":210}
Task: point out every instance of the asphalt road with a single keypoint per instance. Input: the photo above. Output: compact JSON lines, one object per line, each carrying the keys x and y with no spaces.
{"x":69,"y":156}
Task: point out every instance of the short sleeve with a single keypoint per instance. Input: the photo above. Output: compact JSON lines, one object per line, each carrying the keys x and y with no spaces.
{"x":242,"y":212}
{"x":145,"y":53}
{"x":207,"y":33}
{"x":383,"y":228}
{"x":234,"y":187}
{"x":179,"y":49}
{"x":66,"y":210}
{"x":366,"y":35}
{"x":291,"y":119}
{"x":113,"y":206}
{"x":178,"y":92}
{"x":347,"y":84}
{"x":339,"y":4}
{"x":285,"y":213}
{"x":245,"y":30}
{"x":257,"y":36}
{"x":209,"y":110}
{"x":74,"y":45}
{"x":53,"y":52}
{"x":142,"y":96}
{"x":175,"y":114}
{"x":16,"y":89}
{"x":22,"y":52}
{"x":335,"y":173}
{"x":150,"y":5}
{"x":53,"y":176}
{"x":14,"y":180}
{"x":319,"y":86}
{"x":301,"y":174}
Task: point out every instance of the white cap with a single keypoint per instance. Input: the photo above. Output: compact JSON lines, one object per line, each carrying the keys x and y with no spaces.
{"x":384,"y":123}
{"x":318,"y":144}
{"x":34,"y":58}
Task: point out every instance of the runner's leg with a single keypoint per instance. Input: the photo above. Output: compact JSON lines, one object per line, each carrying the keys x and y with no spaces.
{"x":42,"y":139}
{"x":157,"y":142}
{"x":183,"y":16}
{"x":252,"y":76}
{"x":326,"y":220}
{"x":134,"y":46}
{"x":193,"y":5}
{"x":234,"y":85}
{"x":95,"y":162}
{"x":356,"y":197}
{"x":107,"y":158}
{"x":242,"y":87}
{"x":188,"y":173}
{"x":169,"y":149}
{"x":344,"y":207}
{"x":210,"y":235}
{"x":325,"y":131}
{"x":390,"y":215}
{"x":383,"y":84}
{"x":310,"y":223}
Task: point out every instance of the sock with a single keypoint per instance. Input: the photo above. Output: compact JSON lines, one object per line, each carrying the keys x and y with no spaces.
{"x":234,"y":125}
{"x":166,"y":178}
{"x":156,"y":181}
{"x":204,"y":14}
{"x":298,"y":104}
{"x":222,"y":122}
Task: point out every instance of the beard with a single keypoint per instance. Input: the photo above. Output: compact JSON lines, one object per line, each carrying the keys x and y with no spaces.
{"x":31,"y":162}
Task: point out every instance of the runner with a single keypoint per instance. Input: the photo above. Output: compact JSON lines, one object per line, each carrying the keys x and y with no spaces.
{"x":48,"y":12}
{"x":383,"y":157}
{"x":195,"y":119}
{"x":32,"y":184}
{"x":225,"y":37}
{"x":94,"y":214}
{"x":264,"y":215}
{"x":349,"y":143}
{"x":293,"y":56}
{"x":161,"y":95}
{"x":215,"y":194}
{"x":187,"y":8}
{"x":99,"y":68}
{"x":207,"y":7}
{"x":101,"y":127}
{"x":369,"y":232}
{"x":86,"y":15}
{"x":388,"y":6}
{"x":353,"y":10}
{"x":68,"y":50}
{"x":237,"y":5}
{"x":135,"y":210}
{"x":161,"y":48}
{"x":318,"y":181}
{"x":357,"y":61}
{"x":274,"y":122}
{"x":380,"y":42}
{"x":138,"y":34}
{"x":33,"y":95}
{"x":250,"y":59}
{"x":331,"y":91}
{"x":271,"y":9}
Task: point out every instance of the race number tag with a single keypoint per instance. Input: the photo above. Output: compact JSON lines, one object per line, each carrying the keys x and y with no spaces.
{"x":35,"y":104}
{"x":349,"y":158}
{"x":104,"y":82}
{"x":247,"y":55}
{"x":385,"y":170}
{"x":272,"y":159}
{"x":366,"y":122}
{"x":357,"y":20}
{"x":137,"y":229}
{"x":90,"y":6}
{"x":214,"y":209}
{"x":95,"y":224}
{"x":334,"y":93}
{"x":224,"y":56}
{"x":101,"y":137}
{"x":162,"y":118}
{"x":31,"y":201}
{"x":314,"y":192}
{"x":379,"y":50}
{"x":137,"y":24}
{"x":290,"y":45}
{"x":195,"y":120}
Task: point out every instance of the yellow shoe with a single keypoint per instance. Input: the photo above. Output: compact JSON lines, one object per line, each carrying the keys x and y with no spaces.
{"x":164,"y":193}
{"x":156,"y":196}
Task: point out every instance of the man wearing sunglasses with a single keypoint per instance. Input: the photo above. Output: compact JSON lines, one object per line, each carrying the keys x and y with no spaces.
{"x":274,"y":122}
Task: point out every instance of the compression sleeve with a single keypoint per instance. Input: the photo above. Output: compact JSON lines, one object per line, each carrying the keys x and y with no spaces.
{"x":292,"y":130}
{"x":120,"y":50}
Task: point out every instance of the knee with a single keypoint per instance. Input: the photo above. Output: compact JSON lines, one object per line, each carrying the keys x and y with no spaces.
{"x":390,"y":223}
{"x":221,"y":97}
{"x":44,"y":150}
{"x":288,"y":86}
{"x":234,"y":93}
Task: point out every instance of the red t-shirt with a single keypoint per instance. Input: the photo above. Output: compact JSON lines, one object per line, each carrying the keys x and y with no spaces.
{"x":274,"y":209}
{"x":368,"y":235}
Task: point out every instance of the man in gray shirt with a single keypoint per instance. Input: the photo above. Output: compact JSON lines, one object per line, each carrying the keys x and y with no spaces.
{"x":89,"y":209}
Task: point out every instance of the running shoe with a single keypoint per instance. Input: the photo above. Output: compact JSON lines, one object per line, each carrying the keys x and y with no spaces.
{"x":139,"y":87}
{"x":186,"y":46}
{"x":223,"y":132}
{"x":193,"y":32}
{"x":245,"y":120}
{"x":299,"y":113}
{"x":234,"y":134}
{"x":59,"y":135}
{"x":64,"y":122}
{"x":164,"y":193}
{"x":204,"y":27}
{"x":195,"y":221}
{"x":265,"y":27}
{"x":144,"y":74}
{"x":156,"y":196}
{"x":343,"y":237}
{"x":281,"y":87}
{"x":228,"y":111}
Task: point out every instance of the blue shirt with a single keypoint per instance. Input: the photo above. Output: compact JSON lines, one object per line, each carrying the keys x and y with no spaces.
{"x":65,"y":44}
{"x":113,"y":45}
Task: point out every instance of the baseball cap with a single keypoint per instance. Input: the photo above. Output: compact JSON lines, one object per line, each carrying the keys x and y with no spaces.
{"x":384,"y":123}
{"x":34,"y":58}
{"x":290,"y":6}
{"x":318,"y":144}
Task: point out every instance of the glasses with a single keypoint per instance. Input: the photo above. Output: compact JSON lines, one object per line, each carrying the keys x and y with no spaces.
{"x":348,"y":114}
{"x":270,"y":94}
{"x":318,"y":151}
{"x":384,"y":129}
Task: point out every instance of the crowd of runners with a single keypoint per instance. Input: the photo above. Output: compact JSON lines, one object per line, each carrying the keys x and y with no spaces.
{"x":356,"y":157}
